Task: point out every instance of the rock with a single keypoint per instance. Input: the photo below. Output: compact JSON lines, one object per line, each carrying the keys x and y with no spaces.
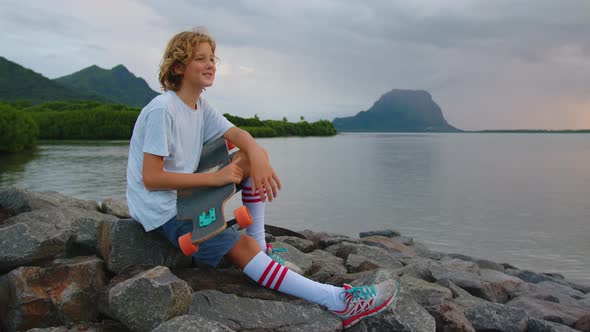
{"x":388,"y":243}
{"x":378,"y":255}
{"x":545,"y":293}
{"x":147,"y":300}
{"x":65,"y":292}
{"x":325,"y":265}
{"x":103,"y":326}
{"x":22,"y":200}
{"x":336,"y":239}
{"x":115,"y":208}
{"x":422,"y":250}
{"x":450,"y":317}
{"x":294,"y":256}
{"x":497,"y":317}
{"x":385,"y":233}
{"x":486,"y":264}
{"x":584,"y":288}
{"x":268,"y":238}
{"x":123,"y":243}
{"x":302,"y":245}
{"x":550,"y":311}
{"x":460,"y":296}
{"x":425,"y":293}
{"x":560,"y":288}
{"x":249,"y":314}
{"x":419,"y":268}
{"x":35,"y":237}
{"x":347,"y":278}
{"x":315,"y":237}
{"x":537,"y":325}
{"x":583,"y":323}
{"x":356,"y":263}
{"x":191,"y":323}
{"x":533,"y":277}
{"x":487,"y":284}
{"x":279,"y":231}
{"x":405,"y":314}
{"x":229,"y":281}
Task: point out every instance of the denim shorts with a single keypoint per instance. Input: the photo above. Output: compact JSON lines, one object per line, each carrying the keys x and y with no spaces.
{"x":210,"y":251}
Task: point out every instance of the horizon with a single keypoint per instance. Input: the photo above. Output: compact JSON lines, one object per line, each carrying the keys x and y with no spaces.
{"x":518,"y":66}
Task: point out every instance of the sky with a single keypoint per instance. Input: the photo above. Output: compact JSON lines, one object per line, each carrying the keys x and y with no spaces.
{"x":502,"y":64}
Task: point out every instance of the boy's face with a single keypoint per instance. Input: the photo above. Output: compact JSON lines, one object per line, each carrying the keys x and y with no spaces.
{"x":200,"y":71}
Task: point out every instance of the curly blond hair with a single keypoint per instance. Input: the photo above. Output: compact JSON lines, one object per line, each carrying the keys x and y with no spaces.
{"x":180,"y":51}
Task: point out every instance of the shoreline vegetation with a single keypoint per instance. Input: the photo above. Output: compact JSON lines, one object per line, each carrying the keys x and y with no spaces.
{"x":22,"y":123}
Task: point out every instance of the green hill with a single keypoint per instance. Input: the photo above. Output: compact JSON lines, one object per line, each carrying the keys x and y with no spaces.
{"x":398,"y":111}
{"x":20,"y":83}
{"x":116,"y":84}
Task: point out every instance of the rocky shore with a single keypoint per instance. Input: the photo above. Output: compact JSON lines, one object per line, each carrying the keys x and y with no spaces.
{"x":74,"y":265}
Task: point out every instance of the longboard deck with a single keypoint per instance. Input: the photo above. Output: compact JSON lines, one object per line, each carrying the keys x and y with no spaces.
{"x":204,"y":206}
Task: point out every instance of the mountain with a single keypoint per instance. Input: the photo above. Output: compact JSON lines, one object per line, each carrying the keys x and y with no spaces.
{"x":398,"y":111}
{"x":117,"y":84}
{"x":18,"y":83}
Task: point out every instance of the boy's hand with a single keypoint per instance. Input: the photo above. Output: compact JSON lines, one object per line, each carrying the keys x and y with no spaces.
{"x":263,"y":176}
{"x":231,"y":173}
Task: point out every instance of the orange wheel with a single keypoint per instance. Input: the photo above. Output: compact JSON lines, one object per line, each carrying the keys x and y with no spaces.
{"x":186,"y":245}
{"x":243,"y":216}
{"x":230,"y":145}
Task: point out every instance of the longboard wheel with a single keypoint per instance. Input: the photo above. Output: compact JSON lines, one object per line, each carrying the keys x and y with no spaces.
{"x":230,"y":145}
{"x":186,"y":244}
{"x":243,"y":216}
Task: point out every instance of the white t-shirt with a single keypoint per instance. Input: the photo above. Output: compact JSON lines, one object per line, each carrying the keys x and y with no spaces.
{"x":167,"y":127}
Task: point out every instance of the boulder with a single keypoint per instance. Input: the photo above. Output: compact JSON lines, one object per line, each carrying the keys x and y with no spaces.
{"x":425,"y":293}
{"x":115,"y":207}
{"x":253,"y":314}
{"x":21,"y":200}
{"x":385,"y":233}
{"x":35,"y":237}
{"x":550,"y":311}
{"x":583,"y":323}
{"x":497,"y":317}
{"x":450,"y":317}
{"x":325,"y":265}
{"x":537,"y":325}
{"x":148,"y":299}
{"x":356,"y":263}
{"x":378,"y":255}
{"x":392,"y":244}
{"x":315,"y":237}
{"x":191,"y":323}
{"x":123,"y":243}
{"x":280,"y":231}
{"x":302,"y":245}
{"x":65,"y":292}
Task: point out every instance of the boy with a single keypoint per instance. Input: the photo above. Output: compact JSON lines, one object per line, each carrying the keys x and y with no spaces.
{"x":164,"y":152}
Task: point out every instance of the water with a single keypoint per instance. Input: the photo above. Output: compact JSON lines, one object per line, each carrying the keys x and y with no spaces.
{"x":516,"y":198}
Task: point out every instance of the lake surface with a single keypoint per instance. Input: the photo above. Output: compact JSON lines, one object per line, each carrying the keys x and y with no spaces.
{"x":516,"y":198}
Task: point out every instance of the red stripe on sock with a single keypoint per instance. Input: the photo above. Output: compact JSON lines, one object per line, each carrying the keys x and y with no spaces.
{"x":250,"y":195}
{"x":251,"y":200}
{"x":268,"y":268}
{"x":250,"y":189}
{"x":272,"y":277}
{"x":283,"y":274}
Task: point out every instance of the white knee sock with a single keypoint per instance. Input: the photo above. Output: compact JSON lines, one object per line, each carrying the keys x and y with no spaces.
{"x":256,"y":207}
{"x":271,"y":274}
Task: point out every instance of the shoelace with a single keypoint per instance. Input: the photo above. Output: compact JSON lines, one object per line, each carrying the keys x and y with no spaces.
{"x":273,"y":255}
{"x":362,"y":292}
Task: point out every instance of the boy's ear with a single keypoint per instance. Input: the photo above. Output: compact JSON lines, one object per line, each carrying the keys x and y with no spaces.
{"x":178,"y":68}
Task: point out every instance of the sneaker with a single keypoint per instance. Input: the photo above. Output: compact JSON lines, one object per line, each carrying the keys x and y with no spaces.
{"x":273,"y":253}
{"x":366,"y":301}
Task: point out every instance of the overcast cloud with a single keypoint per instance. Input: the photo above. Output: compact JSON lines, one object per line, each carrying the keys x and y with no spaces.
{"x":488,"y":64}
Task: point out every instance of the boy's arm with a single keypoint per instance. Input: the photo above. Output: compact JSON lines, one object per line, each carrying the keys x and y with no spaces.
{"x":261,"y":172}
{"x":155,"y":178}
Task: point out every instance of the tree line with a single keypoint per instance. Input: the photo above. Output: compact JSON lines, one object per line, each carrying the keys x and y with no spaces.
{"x":22,"y":123}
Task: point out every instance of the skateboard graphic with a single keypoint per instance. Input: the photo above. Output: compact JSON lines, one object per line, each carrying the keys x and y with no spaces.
{"x":204,"y":206}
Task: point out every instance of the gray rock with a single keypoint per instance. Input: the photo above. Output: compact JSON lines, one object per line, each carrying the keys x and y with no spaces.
{"x":386,"y":232}
{"x":422,"y":250}
{"x":38,"y":236}
{"x":378,"y":255}
{"x":560,"y":288}
{"x":123,"y":243}
{"x":356,"y":263}
{"x":336,"y":239}
{"x":584,"y":288}
{"x":147,"y":300}
{"x":550,"y":311}
{"x":315,"y":237}
{"x":533,"y":277}
{"x":280,"y":231}
{"x":537,"y":325}
{"x":324,"y":265}
{"x":22,"y":200}
{"x":104,"y":326}
{"x":250,"y":314}
{"x":497,"y":317}
{"x":583,"y":323}
{"x":191,"y":323}
{"x":419,"y":268}
{"x":65,"y":292}
{"x":486,"y":264}
{"x":391,"y":244}
{"x":294,"y":256}
{"x":460,"y":296}
{"x":302,"y":245}
{"x":450,"y":317}
{"x":115,"y":208}
{"x":425,"y":293}
{"x":550,"y":294}
{"x":404,"y":315}
{"x":269,"y":238}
